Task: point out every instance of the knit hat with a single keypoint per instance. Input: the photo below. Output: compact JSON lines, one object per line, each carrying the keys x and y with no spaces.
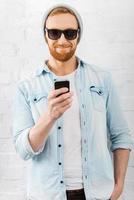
{"x":78,"y":17}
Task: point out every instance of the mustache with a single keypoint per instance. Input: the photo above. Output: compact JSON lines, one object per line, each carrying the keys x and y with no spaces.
{"x":63,"y":45}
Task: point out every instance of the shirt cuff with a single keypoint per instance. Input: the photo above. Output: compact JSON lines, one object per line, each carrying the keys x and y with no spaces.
{"x":129,"y":146}
{"x":27,"y":144}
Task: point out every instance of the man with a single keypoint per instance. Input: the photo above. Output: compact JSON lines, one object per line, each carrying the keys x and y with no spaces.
{"x":68,"y":136}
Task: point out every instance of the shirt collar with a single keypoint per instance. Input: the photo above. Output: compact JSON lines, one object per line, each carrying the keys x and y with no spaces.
{"x":45,"y":69}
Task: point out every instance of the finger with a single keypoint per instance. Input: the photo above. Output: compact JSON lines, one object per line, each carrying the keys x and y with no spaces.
{"x":58,"y":111}
{"x":64,"y":96}
{"x":55,"y":93}
{"x":63,"y":109}
{"x":66,"y":107}
{"x":60,"y":99}
{"x":66,"y":102}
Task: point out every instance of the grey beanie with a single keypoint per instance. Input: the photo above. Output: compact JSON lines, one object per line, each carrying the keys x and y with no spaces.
{"x":78,"y":17}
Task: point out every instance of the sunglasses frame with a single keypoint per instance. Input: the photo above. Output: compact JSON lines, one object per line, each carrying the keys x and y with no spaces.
{"x":61,"y":31}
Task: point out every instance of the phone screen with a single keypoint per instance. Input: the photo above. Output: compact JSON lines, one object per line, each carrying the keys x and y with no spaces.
{"x":60,"y":84}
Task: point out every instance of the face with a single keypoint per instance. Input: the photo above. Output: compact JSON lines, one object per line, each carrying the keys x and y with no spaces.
{"x":62,"y":49}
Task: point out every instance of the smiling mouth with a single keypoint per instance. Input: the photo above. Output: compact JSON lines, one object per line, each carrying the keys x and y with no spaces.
{"x":60,"y":47}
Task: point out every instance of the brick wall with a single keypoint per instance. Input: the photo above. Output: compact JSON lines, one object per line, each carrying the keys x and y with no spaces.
{"x":108,"y":42}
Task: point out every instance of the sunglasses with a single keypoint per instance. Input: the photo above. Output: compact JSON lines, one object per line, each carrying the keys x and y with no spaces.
{"x":55,"y":34}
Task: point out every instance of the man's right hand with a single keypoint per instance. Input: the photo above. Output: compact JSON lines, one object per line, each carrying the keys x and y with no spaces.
{"x":57,"y":105}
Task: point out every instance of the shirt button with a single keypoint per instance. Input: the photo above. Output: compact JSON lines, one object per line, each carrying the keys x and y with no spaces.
{"x":100,"y":92}
{"x":61,"y":181}
{"x":59,"y":127}
{"x":59,"y":145}
{"x":59,"y":163}
{"x":35,"y":99}
{"x":85,"y":141}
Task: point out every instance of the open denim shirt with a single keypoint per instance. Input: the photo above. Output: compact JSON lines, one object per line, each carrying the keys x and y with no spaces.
{"x":103,"y":129}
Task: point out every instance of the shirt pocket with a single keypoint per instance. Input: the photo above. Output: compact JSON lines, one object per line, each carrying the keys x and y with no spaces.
{"x":97,"y":94}
{"x":38,"y":97}
{"x":39,"y":102}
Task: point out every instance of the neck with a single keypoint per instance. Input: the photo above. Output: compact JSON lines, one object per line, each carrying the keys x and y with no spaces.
{"x":62,"y":68}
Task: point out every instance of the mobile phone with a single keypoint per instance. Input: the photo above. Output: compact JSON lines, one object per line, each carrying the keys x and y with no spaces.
{"x":60,"y":84}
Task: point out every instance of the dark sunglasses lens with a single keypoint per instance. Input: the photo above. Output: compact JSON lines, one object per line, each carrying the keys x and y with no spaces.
{"x":54,"y":34}
{"x":70,"y":34}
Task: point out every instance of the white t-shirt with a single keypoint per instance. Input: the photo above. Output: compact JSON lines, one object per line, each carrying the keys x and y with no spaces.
{"x":72,"y":140}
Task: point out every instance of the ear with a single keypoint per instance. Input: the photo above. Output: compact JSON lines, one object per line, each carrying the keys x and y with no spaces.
{"x":45,"y":37}
{"x":78,"y":39}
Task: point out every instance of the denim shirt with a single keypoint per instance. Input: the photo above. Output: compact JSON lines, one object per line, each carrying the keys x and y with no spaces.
{"x":103,"y":129}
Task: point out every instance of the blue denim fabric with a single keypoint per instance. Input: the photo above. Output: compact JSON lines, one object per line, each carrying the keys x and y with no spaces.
{"x":103,"y":129}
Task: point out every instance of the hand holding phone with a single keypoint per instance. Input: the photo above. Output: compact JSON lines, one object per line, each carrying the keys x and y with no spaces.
{"x":59,"y":99}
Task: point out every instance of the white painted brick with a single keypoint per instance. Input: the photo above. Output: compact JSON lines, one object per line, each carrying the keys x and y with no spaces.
{"x":130,"y":174}
{"x":127,"y":104}
{"x":11,"y":159}
{"x":12,"y":173}
{"x":5,"y":126}
{"x":129,"y":190}
{"x":11,"y":196}
{"x":131,"y":161}
{"x":107,"y":42}
{"x":9,"y":49}
{"x":14,"y":187}
{"x":111,"y":56}
{"x":130,"y":119}
{"x":6,"y":145}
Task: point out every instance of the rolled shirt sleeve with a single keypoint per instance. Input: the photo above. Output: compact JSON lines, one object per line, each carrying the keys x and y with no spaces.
{"x":117,"y":125}
{"x":22,"y":123}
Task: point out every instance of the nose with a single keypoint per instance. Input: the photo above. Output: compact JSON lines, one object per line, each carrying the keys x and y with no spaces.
{"x":62,"y":39}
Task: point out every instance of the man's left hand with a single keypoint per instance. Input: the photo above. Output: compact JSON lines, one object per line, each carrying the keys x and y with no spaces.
{"x":116,"y":192}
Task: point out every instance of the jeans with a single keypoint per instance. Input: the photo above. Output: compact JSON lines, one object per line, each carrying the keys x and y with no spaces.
{"x":75,"y":194}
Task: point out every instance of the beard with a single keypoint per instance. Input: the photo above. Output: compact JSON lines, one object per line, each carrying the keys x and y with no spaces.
{"x":62,"y":55}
